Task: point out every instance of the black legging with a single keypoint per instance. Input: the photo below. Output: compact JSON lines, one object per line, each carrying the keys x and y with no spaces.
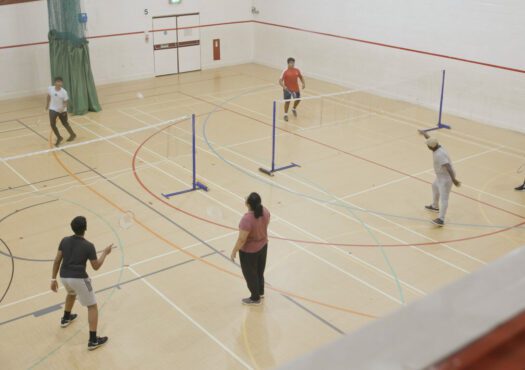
{"x":63,"y":118}
{"x":253,"y":265}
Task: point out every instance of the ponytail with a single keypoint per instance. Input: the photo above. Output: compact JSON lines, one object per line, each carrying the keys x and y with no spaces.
{"x":255,"y":203}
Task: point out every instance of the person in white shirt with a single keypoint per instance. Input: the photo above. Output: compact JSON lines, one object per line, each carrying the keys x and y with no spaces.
{"x":57,"y":99}
{"x":445,"y":177}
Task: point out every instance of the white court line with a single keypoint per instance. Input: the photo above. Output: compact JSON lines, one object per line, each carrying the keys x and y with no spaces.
{"x":490,"y":149}
{"x":415,"y":174}
{"x":324,"y":205}
{"x":346,"y":216}
{"x":15,"y":137}
{"x":20,"y":176}
{"x":20,"y":193}
{"x":403,"y":120}
{"x":211,"y":95}
{"x":356,"y":278}
{"x":191,"y":319}
{"x":149,"y":259}
{"x":370,"y":266}
{"x":371,"y":227}
{"x":83,"y":143}
{"x":277,"y":218}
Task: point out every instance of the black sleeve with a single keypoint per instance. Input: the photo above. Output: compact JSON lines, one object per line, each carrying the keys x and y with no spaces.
{"x":61,"y":246}
{"x":92,"y":253}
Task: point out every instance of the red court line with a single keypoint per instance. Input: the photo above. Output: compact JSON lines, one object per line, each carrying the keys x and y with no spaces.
{"x":351,"y":154}
{"x":369,"y":42}
{"x":394,"y":47}
{"x":22,"y":45}
{"x":162,"y":200}
{"x":132,"y":33}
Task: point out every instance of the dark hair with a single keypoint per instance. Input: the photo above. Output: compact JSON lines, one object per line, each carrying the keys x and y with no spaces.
{"x":59,"y":79}
{"x":290,"y":60}
{"x":79,"y":225}
{"x":254,"y":201}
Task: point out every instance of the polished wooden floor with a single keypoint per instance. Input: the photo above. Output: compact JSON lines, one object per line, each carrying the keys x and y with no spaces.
{"x":350,"y":238}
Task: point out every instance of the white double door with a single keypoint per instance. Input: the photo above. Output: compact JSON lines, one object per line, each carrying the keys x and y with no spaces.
{"x":176,"y":44}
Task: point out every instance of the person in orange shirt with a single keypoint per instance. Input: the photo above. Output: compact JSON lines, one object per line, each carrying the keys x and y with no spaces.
{"x":289,"y":83}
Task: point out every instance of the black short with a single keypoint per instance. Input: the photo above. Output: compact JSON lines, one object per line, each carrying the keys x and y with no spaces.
{"x":291,"y":94}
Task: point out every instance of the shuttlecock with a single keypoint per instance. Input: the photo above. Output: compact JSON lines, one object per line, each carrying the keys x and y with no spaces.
{"x":126,"y":219}
{"x":140,"y":96}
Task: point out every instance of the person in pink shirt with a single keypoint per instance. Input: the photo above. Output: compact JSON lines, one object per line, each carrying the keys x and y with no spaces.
{"x":252,"y":245}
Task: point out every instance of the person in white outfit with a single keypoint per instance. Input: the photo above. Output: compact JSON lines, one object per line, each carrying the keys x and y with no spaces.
{"x":445,"y":177}
{"x":57,"y":99}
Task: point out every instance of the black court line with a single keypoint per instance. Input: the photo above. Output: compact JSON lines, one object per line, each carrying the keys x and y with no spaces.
{"x":41,"y":181}
{"x":12,"y":130}
{"x":26,"y":258}
{"x":16,"y":212}
{"x":132,"y":91}
{"x":162,"y":215}
{"x":47,"y":310}
{"x":55,"y":307}
{"x":12,"y":271}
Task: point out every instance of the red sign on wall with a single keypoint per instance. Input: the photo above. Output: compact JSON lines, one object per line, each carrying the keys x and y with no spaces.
{"x":216,"y":49}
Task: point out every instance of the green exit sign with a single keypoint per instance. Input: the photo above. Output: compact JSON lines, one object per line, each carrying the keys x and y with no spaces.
{"x":175,"y":1}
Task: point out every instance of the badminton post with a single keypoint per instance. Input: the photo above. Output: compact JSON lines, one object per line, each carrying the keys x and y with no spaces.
{"x":274,"y":169}
{"x":195,"y":185}
{"x":440,"y":124}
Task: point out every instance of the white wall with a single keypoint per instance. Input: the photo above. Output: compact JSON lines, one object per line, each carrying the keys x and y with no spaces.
{"x":481,"y":30}
{"x":25,"y":70}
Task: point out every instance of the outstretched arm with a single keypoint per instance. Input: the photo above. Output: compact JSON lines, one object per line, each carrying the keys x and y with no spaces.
{"x":424,"y":133}
{"x":96,"y":264}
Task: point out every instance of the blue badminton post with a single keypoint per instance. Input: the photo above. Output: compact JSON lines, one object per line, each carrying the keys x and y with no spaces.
{"x":271,"y":171}
{"x":440,"y":124}
{"x":195,"y":185}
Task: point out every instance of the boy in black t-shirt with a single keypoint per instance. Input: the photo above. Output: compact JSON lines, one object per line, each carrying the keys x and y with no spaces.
{"x":73,"y":253}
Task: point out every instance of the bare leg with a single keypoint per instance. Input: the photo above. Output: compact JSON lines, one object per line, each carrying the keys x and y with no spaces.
{"x":70,"y":301}
{"x":93,"y":317}
{"x":286,"y":107}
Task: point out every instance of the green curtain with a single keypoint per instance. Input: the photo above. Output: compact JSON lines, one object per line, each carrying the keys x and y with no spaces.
{"x":69,"y":56}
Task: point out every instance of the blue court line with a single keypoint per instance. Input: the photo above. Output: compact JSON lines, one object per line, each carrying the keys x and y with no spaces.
{"x":121,"y":249}
{"x":259,"y":179}
{"x":213,"y":149}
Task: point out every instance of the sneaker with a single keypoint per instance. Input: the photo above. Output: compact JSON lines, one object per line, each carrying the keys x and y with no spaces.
{"x":72,"y":137}
{"x":65,"y":322}
{"x":94,"y":345}
{"x":286,"y":118}
{"x":59,"y":140}
{"x":520,"y":188}
{"x":250,"y":302}
{"x":438,"y":222}
{"x":432,"y":208}
{"x":294,"y":111}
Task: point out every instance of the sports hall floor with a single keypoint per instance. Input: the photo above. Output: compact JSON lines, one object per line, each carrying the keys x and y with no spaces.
{"x":169,"y":294}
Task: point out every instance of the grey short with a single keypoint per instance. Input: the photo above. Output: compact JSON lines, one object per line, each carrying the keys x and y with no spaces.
{"x":82,"y":289}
